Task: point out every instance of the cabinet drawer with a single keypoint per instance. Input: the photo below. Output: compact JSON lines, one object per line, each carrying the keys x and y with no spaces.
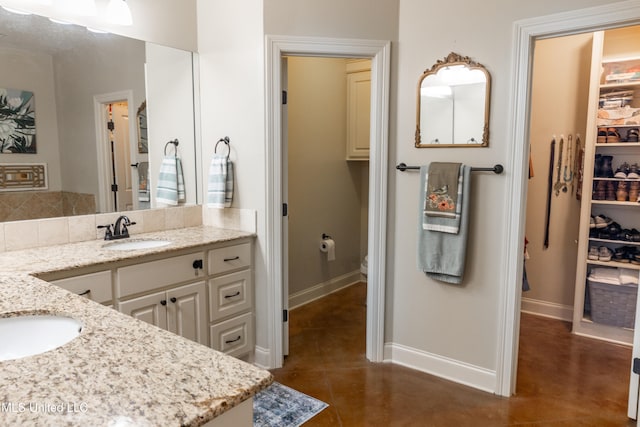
{"x":148,"y":276}
{"x":234,"y":336}
{"x":229,"y":258}
{"x":230,"y":294}
{"x":95,"y":286}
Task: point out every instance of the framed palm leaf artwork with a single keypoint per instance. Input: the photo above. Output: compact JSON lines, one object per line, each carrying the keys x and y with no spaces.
{"x":17,"y":121}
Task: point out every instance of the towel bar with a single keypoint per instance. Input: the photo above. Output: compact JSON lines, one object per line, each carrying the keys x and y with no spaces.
{"x":497,"y":169}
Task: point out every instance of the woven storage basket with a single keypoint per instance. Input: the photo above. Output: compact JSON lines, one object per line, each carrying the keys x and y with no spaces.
{"x":613,"y":305}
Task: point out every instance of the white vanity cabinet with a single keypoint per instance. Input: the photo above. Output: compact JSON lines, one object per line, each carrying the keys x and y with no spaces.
{"x":230,"y":290}
{"x":95,"y":286}
{"x":169,"y":293}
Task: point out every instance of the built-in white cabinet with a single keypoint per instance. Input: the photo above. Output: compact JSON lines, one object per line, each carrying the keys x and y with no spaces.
{"x":181,"y":310}
{"x":95,"y":286}
{"x":358,"y":109}
{"x":204,"y":295}
{"x":231,"y":299}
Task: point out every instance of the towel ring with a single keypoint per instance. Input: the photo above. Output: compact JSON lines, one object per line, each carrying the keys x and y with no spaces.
{"x":226,"y":142}
{"x":175,"y":143}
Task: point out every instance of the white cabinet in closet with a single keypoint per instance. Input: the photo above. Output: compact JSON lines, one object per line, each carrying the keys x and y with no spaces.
{"x":358,"y":109}
{"x":609,"y":238}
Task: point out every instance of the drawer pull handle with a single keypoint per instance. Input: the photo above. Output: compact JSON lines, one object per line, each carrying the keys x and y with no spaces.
{"x":163,"y":302}
{"x":231,"y":341}
{"x":173,"y":299}
{"x":87,"y":292}
{"x":234,"y":295}
{"x":197,"y":264}
{"x":231,"y":259}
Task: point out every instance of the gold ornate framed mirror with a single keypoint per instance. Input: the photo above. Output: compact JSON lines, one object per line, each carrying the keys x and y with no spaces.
{"x":452,"y":108}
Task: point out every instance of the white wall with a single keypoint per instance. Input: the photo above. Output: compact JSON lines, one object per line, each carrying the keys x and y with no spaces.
{"x":558,"y":107}
{"x":324,"y":189}
{"x":455,"y":325}
{"x":34,"y":72}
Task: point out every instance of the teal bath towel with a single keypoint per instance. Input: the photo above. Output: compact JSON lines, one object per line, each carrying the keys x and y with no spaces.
{"x":441,"y":255}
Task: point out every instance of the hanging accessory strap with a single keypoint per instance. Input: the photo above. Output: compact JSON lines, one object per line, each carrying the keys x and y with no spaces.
{"x":559,"y":183}
{"x":577,"y":167}
{"x":568,"y":167}
{"x":549,"y":190}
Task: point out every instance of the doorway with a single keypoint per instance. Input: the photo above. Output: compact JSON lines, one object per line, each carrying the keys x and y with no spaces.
{"x":379,"y":52}
{"x":527,"y":31}
{"x":326,"y":175}
{"x":116,"y":148}
{"x":559,"y":124}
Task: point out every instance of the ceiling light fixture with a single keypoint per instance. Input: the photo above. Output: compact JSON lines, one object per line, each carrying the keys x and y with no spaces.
{"x":118,"y":12}
{"x":80,"y":7}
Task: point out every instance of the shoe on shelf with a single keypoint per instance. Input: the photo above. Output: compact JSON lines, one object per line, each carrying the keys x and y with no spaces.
{"x":602,"y":135}
{"x":633,"y":172}
{"x":634,"y":191}
{"x":607,"y":169}
{"x":604,"y":253}
{"x":632,"y":135}
{"x":602,"y":221}
{"x":611,"y":192}
{"x":612,"y":136}
{"x":622,"y":194}
{"x":593,"y":253}
{"x":622,"y":171}
{"x":597,"y":166}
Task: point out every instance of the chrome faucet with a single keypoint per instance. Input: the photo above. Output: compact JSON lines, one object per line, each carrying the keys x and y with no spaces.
{"x":118,"y":230}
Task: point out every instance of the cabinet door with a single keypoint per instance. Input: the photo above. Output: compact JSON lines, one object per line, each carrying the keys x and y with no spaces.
{"x":149,"y":308}
{"x":186,"y":312}
{"x":358,"y":115}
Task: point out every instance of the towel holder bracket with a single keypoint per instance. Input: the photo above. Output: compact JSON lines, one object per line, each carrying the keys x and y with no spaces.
{"x":226,"y":141}
{"x":497,"y":169}
{"x":175,"y":142}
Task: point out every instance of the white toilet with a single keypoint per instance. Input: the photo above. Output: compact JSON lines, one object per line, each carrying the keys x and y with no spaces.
{"x":364,"y":268}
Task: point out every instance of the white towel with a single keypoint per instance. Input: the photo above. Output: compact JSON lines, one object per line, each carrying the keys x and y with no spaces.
{"x":171,"y":189}
{"x":220,"y":189}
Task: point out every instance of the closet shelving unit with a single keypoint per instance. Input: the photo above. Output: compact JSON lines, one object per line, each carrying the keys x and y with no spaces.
{"x":626,"y":213}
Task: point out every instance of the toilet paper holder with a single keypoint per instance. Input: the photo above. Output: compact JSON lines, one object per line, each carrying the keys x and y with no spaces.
{"x":325,"y":236}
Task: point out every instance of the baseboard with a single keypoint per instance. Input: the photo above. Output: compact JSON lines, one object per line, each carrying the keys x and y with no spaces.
{"x":323,"y":289}
{"x":443,"y":367}
{"x":547,"y":309}
{"x":261,"y":357}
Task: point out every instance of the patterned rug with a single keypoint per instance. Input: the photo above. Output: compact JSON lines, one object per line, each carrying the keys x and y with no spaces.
{"x":281,"y":406}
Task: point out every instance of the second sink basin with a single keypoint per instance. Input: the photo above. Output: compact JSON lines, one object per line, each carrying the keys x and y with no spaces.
{"x":130,"y":245}
{"x":28,"y":335}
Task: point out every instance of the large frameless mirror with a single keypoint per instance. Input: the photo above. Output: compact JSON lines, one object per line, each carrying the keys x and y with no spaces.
{"x":453,"y":104}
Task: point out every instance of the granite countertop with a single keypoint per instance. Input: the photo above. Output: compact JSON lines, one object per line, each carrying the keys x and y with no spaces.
{"x":119,"y":371}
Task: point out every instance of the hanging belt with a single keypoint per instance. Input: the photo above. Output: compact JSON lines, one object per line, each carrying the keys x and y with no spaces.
{"x":549,"y":191}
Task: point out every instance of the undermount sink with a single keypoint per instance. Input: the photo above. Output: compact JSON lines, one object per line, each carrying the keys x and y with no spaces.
{"x":28,"y":335}
{"x":130,"y":245}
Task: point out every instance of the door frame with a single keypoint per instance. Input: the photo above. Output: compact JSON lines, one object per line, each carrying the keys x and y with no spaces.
{"x":525,"y":32}
{"x":379,"y":53}
{"x":103,"y":152}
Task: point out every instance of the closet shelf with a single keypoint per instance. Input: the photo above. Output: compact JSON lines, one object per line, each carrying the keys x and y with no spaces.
{"x":619,"y":144}
{"x":620,"y":85}
{"x":614,"y":264}
{"x":614,"y":203}
{"x":616,"y":179}
{"x":618,"y":242}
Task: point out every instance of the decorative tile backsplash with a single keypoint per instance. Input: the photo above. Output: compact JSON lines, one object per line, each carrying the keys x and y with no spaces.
{"x":23,"y":205}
